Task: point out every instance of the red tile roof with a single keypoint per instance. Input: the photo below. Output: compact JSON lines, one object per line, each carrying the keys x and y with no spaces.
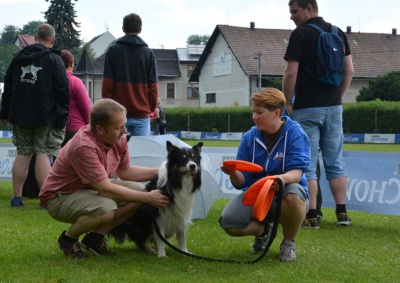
{"x":373,"y":54}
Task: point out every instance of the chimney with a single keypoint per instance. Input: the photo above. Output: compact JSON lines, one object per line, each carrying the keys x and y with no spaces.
{"x":252,"y":25}
{"x":394,"y":31}
{"x":348,"y":29}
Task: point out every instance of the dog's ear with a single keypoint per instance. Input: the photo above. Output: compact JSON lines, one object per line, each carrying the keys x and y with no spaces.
{"x":197,"y":147}
{"x":170,"y":146}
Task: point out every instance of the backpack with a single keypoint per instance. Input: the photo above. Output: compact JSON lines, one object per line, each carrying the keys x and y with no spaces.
{"x":330,"y":57}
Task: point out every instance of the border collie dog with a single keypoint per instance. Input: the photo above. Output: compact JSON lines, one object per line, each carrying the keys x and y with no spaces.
{"x":179,"y":177}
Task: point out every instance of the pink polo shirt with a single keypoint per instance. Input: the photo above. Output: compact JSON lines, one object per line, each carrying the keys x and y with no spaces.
{"x":83,"y":161}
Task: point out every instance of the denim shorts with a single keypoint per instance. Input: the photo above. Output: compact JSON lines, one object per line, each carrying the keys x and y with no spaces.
{"x":238,"y":215}
{"x":324,"y":127}
{"x":138,"y":127}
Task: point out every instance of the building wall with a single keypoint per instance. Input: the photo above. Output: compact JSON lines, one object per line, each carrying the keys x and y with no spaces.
{"x":162,"y":91}
{"x":187,"y":102}
{"x":354,"y":90}
{"x":222,"y":75}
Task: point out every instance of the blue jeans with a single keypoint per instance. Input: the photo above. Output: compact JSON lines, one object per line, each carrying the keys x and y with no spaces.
{"x":138,"y":127}
{"x":324,"y":127}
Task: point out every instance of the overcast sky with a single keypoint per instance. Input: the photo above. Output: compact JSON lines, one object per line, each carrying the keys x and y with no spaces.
{"x":168,"y":23}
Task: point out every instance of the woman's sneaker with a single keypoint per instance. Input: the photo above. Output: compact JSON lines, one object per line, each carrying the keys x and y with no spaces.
{"x":17,"y":202}
{"x":260,"y":243}
{"x":288,"y":251}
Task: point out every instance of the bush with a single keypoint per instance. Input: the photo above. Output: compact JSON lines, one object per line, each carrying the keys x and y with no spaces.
{"x":363,"y":117}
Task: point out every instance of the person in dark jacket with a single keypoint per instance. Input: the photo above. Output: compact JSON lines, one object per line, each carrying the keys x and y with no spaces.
{"x":130,"y":76}
{"x":36,"y":102}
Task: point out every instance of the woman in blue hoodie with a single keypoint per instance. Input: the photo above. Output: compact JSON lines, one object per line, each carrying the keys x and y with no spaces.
{"x":281,"y":147}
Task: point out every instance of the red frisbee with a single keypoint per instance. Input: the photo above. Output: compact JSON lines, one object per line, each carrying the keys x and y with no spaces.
{"x":242,"y":165}
{"x":260,"y":196}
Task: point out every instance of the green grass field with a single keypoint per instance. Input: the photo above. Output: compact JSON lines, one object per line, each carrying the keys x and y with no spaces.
{"x":367,"y":251}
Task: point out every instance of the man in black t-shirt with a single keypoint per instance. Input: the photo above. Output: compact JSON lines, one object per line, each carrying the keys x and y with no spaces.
{"x":318,"y":107}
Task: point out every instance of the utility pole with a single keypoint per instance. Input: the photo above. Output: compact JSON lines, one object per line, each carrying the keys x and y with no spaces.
{"x":259,"y":69}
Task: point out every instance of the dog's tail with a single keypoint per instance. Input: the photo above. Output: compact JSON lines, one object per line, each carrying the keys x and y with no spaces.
{"x":118,"y":234}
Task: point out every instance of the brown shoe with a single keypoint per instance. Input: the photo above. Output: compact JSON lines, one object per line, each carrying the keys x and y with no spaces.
{"x":96,"y":244}
{"x":71,"y":249}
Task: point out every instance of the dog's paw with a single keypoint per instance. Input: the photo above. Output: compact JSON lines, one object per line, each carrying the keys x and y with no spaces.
{"x":162,"y":254}
{"x":150,"y":250}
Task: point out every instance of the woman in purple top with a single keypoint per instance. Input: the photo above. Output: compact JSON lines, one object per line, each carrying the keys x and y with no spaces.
{"x":80,"y":105}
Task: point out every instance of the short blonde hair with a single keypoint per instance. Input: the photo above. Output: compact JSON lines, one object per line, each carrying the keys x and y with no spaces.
{"x":103,"y":111}
{"x":270,"y":98}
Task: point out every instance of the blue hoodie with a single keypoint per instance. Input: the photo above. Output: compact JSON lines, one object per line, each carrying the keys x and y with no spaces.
{"x":292,"y":151}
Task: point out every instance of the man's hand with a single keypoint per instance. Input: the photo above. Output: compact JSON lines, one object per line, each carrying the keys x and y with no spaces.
{"x":158,"y":199}
{"x":5,"y":122}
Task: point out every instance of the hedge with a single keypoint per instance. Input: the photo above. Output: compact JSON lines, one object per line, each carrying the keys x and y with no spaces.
{"x":358,"y":118}
{"x":363,"y":117}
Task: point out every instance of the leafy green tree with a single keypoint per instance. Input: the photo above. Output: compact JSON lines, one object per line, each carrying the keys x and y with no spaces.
{"x":197,"y":39}
{"x":61,"y":15}
{"x":384,"y":87}
{"x":273,"y":82}
{"x":30,"y":27}
{"x":8,"y":34}
{"x":89,"y":51}
{"x":6,"y":54}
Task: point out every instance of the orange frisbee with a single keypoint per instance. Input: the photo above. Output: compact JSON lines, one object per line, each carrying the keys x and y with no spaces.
{"x":250,"y":196}
{"x":260,"y":195}
{"x":264,"y":201}
{"x":242,"y":165}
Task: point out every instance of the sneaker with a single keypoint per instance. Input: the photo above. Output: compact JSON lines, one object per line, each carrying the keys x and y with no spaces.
{"x":260,"y":243}
{"x":17,"y":202}
{"x":71,"y":249}
{"x":288,"y":251}
{"x":343,"y":219}
{"x":311,"y":223}
{"x":96,"y":245}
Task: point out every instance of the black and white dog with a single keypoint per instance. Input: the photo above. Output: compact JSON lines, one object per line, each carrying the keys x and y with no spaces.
{"x":179,"y":177}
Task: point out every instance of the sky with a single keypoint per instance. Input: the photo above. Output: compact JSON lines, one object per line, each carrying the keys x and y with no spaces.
{"x":168,"y":23}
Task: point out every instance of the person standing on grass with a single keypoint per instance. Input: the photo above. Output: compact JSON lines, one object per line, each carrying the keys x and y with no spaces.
{"x":280,"y":146}
{"x":160,"y":124}
{"x":130,"y":76}
{"x":93,"y":185}
{"x":80,"y":105}
{"x":36,"y":102}
{"x":318,"y":108}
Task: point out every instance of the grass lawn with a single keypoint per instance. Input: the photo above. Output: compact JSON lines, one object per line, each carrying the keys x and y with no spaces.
{"x":367,"y":251}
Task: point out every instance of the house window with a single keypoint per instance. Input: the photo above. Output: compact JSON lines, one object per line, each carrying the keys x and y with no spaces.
{"x":192,"y":92}
{"x":170,"y":90}
{"x":210,"y":98}
{"x":190,"y":69}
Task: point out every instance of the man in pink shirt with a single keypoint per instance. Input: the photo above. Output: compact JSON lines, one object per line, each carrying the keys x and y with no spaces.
{"x":80,"y":188}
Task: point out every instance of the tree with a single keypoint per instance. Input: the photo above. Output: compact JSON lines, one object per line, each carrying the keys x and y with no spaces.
{"x":384,"y":87}
{"x":8,"y":34}
{"x":61,"y":15}
{"x":31,"y":27}
{"x":6,"y":55}
{"x":197,"y":39}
